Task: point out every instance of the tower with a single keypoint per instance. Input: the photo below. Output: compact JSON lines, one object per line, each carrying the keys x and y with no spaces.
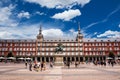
{"x":79,"y":40}
{"x":40,"y":36}
{"x":39,"y":43}
{"x":79,"y":35}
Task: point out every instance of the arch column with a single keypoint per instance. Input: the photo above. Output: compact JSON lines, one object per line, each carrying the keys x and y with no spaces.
{"x":66,"y":58}
{"x":49,"y":59}
{"x":70,"y":58}
{"x":45,"y":59}
{"x":84,"y":58}
{"x":40,"y":59}
{"x":75,"y":59}
{"x":79,"y":59}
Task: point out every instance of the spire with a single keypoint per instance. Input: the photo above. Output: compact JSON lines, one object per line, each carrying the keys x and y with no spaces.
{"x":78,"y":27}
{"x":40,"y":30}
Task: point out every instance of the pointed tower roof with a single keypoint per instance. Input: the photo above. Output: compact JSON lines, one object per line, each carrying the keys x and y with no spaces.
{"x":40,"y":30}
{"x":78,"y":27}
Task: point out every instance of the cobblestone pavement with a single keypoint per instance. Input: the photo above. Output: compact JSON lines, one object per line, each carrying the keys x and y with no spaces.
{"x":11,"y":71}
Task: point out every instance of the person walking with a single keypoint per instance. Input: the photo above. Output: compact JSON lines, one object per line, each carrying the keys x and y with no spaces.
{"x":51,"y":64}
{"x":76,"y":64}
{"x":26,"y":64}
{"x":68,"y":64}
{"x":41,"y":66}
{"x":44,"y":66}
{"x":30,"y":66}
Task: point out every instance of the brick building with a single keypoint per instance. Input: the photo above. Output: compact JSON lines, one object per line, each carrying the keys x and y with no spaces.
{"x":78,"y":49}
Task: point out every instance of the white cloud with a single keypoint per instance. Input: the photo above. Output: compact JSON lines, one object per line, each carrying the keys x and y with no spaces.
{"x":25,"y":32}
{"x":110,"y":34}
{"x":52,"y":33}
{"x":5,"y":16}
{"x":67,"y":15}
{"x":59,"y":34}
{"x":20,"y":32}
{"x":59,"y":3}
{"x":119,"y":25}
{"x":24,"y":14}
{"x":95,"y":33}
{"x":40,"y":13}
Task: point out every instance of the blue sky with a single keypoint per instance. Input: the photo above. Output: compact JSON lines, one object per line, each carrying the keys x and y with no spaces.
{"x":21,"y":19}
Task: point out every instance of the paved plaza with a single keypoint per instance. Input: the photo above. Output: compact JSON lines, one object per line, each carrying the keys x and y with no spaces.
{"x":11,"y":71}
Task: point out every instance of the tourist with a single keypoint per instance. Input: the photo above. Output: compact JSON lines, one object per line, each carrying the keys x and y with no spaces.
{"x":26,"y":64}
{"x":76,"y":64}
{"x":51,"y":64}
{"x":112,"y":63}
{"x":44,"y":66}
{"x":41,"y":66}
{"x":68,"y":64}
{"x":30,"y":66}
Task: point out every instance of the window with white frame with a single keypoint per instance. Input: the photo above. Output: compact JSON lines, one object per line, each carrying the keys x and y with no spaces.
{"x":77,"y":53}
{"x":80,"y":40}
{"x":86,"y":49}
{"x":38,"y":44}
{"x":76,"y":44}
{"x":43,"y":49}
{"x":76,"y":49}
{"x":30,"y":49}
{"x":33,"y":49}
{"x":68,"y":53}
{"x":110,"y":48}
{"x":10,"y":49}
{"x":72,"y":44}
{"x":72,"y":49}
{"x":72,"y":53}
{"x":42,"y":53}
{"x":27,"y":49}
{"x":21,"y":49}
{"x":68,"y":44}
{"x":80,"y":49}
{"x":89,"y":49}
{"x":81,"y":53}
{"x":90,"y":53}
{"x":80,"y":44}
{"x":38,"y":53}
{"x":47,"y":49}
{"x":68,"y":49}
{"x":51,"y":53}
{"x":47,"y":53}
{"x":51,"y":49}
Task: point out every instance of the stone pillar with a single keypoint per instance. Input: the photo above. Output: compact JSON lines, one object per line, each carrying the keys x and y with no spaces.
{"x":78,"y":59}
{"x":70,"y":58}
{"x":83,"y":58}
{"x":66,"y":58}
{"x":92,"y":59}
{"x":49,"y":59}
{"x":75,"y":59}
{"x":102,"y":58}
{"x":88,"y":58}
{"x":35,"y":58}
{"x":40,"y":59}
{"x":95,"y":58}
{"x":45,"y":59}
{"x":99,"y":58}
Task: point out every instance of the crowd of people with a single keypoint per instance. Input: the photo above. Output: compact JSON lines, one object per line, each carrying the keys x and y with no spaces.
{"x":41,"y":66}
{"x":37,"y":66}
